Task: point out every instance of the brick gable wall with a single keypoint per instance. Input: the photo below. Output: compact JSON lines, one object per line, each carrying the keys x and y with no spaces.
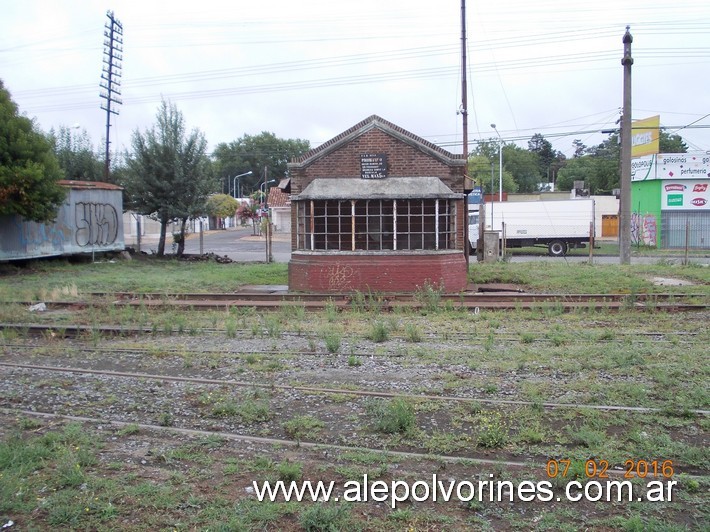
{"x":403,"y":160}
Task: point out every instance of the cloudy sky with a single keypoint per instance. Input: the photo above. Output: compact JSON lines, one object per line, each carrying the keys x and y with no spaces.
{"x":313,"y":68}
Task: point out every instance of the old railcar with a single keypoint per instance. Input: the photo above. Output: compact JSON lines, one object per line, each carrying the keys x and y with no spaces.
{"x":89,"y":221}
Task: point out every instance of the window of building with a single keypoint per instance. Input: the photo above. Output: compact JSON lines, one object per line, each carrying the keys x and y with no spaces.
{"x":376,"y":224}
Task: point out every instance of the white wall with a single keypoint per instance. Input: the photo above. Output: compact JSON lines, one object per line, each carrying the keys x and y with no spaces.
{"x":603,"y":205}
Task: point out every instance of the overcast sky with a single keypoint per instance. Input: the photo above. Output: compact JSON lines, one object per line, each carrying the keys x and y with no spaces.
{"x":313,"y":68}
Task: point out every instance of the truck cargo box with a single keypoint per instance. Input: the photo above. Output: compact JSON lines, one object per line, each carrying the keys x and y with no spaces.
{"x":558,"y":225}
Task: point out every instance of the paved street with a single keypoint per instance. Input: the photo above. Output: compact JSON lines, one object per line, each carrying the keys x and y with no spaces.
{"x":240,"y":244}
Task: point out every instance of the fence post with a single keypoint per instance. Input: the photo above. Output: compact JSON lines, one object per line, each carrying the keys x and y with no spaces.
{"x":202,"y":238}
{"x":687,"y":241}
{"x":591,"y":242}
{"x":266,"y":238}
{"x":138,"y":233}
{"x":502,"y":251}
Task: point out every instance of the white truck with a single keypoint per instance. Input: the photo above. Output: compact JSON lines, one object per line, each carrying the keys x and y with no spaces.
{"x":557,"y":225}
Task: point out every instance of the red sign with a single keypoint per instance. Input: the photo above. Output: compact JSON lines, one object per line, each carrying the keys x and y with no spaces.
{"x":701,"y":187}
{"x":675,"y":187}
{"x":698,"y":202}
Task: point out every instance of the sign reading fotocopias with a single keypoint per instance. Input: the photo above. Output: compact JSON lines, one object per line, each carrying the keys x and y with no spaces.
{"x":373,"y":166}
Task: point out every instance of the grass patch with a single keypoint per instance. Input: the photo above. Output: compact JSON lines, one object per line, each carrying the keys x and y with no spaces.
{"x":379,"y":332}
{"x":325,"y":517}
{"x":153,"y":275}
{"x":394,"y":416}
{"x":301,"y":426}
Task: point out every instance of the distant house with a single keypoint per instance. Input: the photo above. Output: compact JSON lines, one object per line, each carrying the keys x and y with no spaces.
{"x":280,"y":204}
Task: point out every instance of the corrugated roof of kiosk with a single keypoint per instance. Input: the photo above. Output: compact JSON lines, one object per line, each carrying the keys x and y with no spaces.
{"x":388,"y":188}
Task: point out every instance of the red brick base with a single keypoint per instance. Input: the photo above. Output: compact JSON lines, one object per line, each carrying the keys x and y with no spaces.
{"x":312,"y":272}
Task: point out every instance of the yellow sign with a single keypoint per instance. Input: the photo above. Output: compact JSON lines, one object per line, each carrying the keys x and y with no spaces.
{"x":644,"y":136}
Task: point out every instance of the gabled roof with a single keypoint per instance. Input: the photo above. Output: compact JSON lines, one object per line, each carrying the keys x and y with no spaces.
{"x":376,"y":122}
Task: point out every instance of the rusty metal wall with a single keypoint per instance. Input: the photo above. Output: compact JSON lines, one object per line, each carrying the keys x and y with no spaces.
{"x":89,"y":221}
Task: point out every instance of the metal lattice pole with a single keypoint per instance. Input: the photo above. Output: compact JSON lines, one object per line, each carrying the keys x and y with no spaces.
{"x":110,"y":77}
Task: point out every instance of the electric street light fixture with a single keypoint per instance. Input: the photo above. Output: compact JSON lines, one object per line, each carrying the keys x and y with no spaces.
{"x":263,"y":185}
{"x":235,"y":183}
{"x":500,"y":164}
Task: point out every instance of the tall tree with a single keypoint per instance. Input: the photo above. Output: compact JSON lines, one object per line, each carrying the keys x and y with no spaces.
{"x":579,"y":148}
{"x":523,"y":165}
{"x":168,"y":173}
{"x":671,"y":143}
{"x":29,"y":171}
{"x":254,"y":152}
{"x":599,"y":166}
{"x":578,"y":169}
{"x":76,"y":155}
{"x":549,"y":160}
{"x":599,"y":169}
{"x":480,"y":169}
{"x":221,"y":206}
{"x":488,"y":151}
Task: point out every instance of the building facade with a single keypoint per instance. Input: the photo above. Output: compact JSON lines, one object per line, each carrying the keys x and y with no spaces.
{"x":670,"y":200}
{"x":377,"y":208}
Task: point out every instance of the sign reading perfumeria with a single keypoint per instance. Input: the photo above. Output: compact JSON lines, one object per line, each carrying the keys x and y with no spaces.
{"x":683,"y":166}
{"x":671,"y":166}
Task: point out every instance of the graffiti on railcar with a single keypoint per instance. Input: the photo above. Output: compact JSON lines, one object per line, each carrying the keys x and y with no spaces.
{"x":33,"y":234}
{"x":96,"y":224}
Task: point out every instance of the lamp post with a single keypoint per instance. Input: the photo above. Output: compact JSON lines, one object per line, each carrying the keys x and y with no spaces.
{"x":265,"y":210}
{"x":235,"y":183}
{"x":500,"y":164}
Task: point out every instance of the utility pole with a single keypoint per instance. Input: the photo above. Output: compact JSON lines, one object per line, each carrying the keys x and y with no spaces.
{"x":464,"y":113}
{"x":625,"y":201}
{"x":464,"y":85}
{"x":110,"y":77}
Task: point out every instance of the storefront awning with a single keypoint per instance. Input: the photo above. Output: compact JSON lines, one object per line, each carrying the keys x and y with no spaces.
{"x":388,"y":188}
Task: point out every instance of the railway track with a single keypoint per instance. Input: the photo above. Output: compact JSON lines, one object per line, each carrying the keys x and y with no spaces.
{"x":335,"y":391}
{"x":67,"y":330}
{"x":76,"y":384}
{"x":470,"y":301}
{"x":277,"y":441}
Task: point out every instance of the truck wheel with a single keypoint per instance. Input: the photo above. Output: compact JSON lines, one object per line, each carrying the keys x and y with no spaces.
{"x":557,"y":248}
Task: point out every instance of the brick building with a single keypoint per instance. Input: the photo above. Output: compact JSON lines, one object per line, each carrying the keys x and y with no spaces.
{"x":377,"y":208}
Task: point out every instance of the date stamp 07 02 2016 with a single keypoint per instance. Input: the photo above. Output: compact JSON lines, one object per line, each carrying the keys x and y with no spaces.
{"x":600,"y":468}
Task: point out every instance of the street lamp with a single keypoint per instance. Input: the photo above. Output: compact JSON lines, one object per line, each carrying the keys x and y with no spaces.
{"x":500,"y":163}
{"x":235,"y":183}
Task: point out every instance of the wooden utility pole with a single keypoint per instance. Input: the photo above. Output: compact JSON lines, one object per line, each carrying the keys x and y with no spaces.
{"x":625,"y":201}
{"x":464,"y":114}
{"x":464,"y":84}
